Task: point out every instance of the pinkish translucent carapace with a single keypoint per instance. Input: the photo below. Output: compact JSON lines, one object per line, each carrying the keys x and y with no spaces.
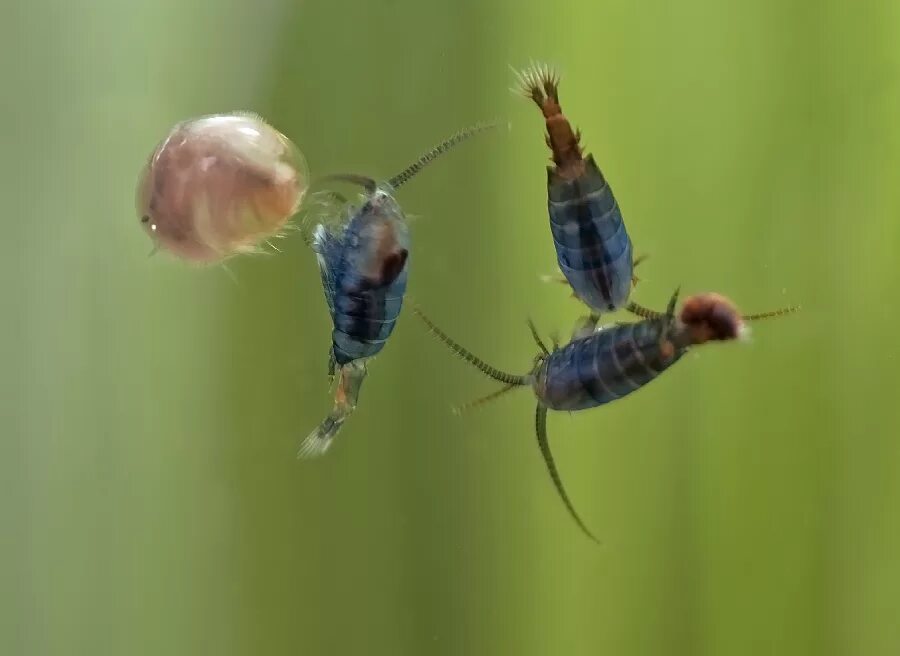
{"x":220,"y":185}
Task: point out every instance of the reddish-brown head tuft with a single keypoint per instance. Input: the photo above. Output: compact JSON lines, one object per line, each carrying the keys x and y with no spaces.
{"x":711,"y":317}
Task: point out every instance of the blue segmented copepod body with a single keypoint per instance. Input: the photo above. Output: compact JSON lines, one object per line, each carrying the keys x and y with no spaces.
{"x":609,"y":364}
{"x":593,"y":248}
{"x":364,"y":261}
{"x":619,"y":359}
{"x":364,"y":271}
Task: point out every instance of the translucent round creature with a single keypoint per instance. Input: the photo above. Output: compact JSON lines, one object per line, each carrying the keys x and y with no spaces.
{"x":220,"y":185}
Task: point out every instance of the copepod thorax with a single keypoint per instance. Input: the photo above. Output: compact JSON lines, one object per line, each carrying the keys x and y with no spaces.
{"x":220,"y":185}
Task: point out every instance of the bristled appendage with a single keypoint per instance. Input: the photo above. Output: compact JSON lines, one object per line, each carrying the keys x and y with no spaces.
{"x":540,"y":83}
{"x":346,"y":396}
{"x":540,"y":424}
{"x":468,"y":356}
{"x":414,"y":168}
{"x":646,"y":313}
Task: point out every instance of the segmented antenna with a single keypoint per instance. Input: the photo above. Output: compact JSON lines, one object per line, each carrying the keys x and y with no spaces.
{"x":460,"y":409}
{"x":642,"y":312}
{"x":405,"y":175}
{"x":540,"y":425}
{"x":537,"y":81}
{"x":537,"y":338}
{"x":647,"y":313}
{"x":771,"y":314}
{"x":471,"y":358}
{"x":670,"y":308}
{"x":346,"y":395}
{"x":363,"y":181}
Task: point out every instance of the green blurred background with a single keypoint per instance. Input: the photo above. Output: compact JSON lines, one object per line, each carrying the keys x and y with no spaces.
{"x":151,"y":501}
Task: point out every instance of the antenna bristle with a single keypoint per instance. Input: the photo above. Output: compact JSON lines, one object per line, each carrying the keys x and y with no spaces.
{"x":414,"y":168}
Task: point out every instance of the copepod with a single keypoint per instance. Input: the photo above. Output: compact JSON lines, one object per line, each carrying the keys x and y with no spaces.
{"x":220,"y":185}
{"x":593,"y":249}
{"x":363,"y":262}
{"x":608,"y":364}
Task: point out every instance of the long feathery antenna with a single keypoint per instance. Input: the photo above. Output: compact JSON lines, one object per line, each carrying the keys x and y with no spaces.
{"x":471,"y":358}
{"x":540,"y":425}
{"x":642,"y":312}
{"x":460,"y":409}
{"x":410,"y":171}
{"x":647,"y":313}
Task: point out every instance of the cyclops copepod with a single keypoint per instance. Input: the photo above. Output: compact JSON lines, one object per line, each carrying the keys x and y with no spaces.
{"x":609,"y":364}
{"x":593,"y":248}
{"x":363,"y":265}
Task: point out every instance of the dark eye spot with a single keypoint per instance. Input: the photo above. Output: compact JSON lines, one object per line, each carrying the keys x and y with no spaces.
{"x":145,"y":219}
{"x":392,"y":266}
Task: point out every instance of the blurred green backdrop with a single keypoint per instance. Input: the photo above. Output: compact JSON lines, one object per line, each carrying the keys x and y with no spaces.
{"x":150,"y":412}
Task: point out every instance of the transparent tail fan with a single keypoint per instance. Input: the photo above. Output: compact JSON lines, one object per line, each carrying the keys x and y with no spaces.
{"x":350,"y":378}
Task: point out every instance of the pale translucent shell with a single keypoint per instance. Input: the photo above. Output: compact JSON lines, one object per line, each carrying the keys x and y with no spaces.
{"x":220,"y":185}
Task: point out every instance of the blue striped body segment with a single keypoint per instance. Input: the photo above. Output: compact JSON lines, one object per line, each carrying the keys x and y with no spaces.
{"x":364,"y":270}
{"x":592,"y":246}
{"x":605,"y":366}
